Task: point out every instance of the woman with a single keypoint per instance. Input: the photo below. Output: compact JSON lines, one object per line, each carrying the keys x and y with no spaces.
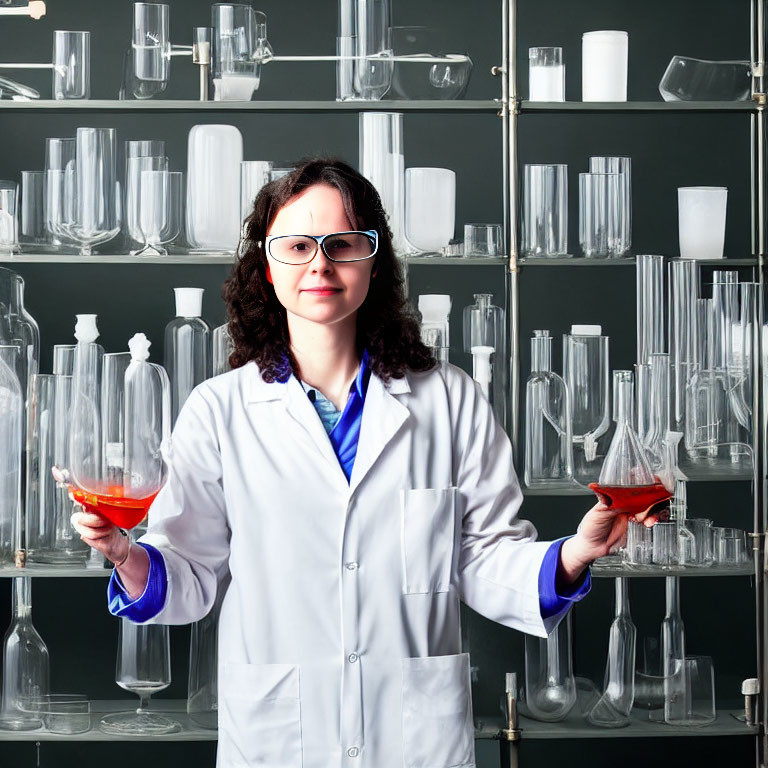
{"x":354,"y":490}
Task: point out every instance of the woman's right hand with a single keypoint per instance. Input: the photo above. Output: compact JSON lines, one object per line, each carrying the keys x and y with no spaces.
{"x":97,"y":532}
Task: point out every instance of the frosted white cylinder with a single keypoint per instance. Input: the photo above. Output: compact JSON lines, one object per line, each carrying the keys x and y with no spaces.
{"x":430,"y":208}
{"x":701,"y":216}
{"x":546,"y":74}
{"x":604,"y":58}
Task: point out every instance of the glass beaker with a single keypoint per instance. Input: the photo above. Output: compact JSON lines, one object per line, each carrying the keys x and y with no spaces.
{"x":482,"y":240}
{"x":600,"y":214}
{"x":623,"y":167}
{"x":32,"y":211}
{"x":693,"y":704}
{"x":430,"y":208}
{"x":235,"y":69}
{"x":58,"y":188}
{"x":546,"y":74}
{"x":11,"y":446}
{"x":545,"y":210}
{"x":223,"y":347}
{"x":550,"y":688}
{"x":435,"y":331}
{"x":548,"y":450}
{"x":71,"y":65}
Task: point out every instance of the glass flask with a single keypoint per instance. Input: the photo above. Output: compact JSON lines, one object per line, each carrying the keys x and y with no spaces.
{"x":626,"y":480}
{"x":11,"y":447}
{"x":144,"y":668}
{"x":550,"y":688}
{"x":26,"y":663}
{"x":235,"y":67}
{"x":672,"y":643}
{"x":485,"y":340}
{"x":435,"y":331}
{"x":548,"y":451}
{"x":223,"y":347}
{"x":187,"y":347}
{"x":683,"y":330}
{"x":614,"y":706}
{"x":586,"y":372}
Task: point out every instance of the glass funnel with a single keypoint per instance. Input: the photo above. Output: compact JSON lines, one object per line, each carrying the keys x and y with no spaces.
{"x":144,"y":668}
{"x":485,"y":340}
{"x":25,"y":663}
{"x":550,"y":688}
{"x":11,"y":446}
{"x":548,"y":451}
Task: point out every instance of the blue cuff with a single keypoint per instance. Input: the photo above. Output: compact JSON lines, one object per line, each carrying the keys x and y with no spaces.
{"x":150,"y":602}
{"x":551,"y":600}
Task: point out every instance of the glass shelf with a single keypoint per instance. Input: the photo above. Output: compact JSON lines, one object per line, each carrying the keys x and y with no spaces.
{"x":532,"y":107}
{"x":567,"y":490}
{"x":715,"y":471}
{"x":574,"y":727}
{"x":191,"y":105}
{"x":54,"y":571}
{"x":611,"y":571}
{"x":458,"y":261}
{"x":118,"y":258}
{"x":580,"y":261}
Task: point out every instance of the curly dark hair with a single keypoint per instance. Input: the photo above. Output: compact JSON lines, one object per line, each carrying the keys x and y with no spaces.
{"x":387,"y":326}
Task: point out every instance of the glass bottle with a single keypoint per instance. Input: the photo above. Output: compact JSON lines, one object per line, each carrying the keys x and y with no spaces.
{"x":17,"y":326}
{"x":614,"y":706}
{"x":485,"y":340}
{"x":550,"y":688}
{"x":435,"y":330}
{"x":11,"y":447}
{"x":548,"y":451}
{"x":223,"y":347}
{"x":187,"y":347}
{"x":672,"y":644}
{"x":25,"y":664}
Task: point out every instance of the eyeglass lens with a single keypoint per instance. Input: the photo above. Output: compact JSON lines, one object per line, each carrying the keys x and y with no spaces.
{"x":298,"y":249}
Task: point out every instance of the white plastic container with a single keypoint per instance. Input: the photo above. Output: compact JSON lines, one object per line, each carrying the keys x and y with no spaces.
{"x":701,"y":212}
{"x":430,"y":208}
{"x":604,"y":56}
{"x":214,"y":154}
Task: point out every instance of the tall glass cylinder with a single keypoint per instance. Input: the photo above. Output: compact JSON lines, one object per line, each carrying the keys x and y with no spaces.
{"x":683,"y":329}
{"x":135,"y":166}
{"x":655,"y":438}
{"x":651,"y":328}
{"x":11,"y":445}
{"x":9,"y":218}
{"x":254,"y":174}
{"x":202,"y":688}
{"x":622,"y":166}
{"x":32,"y":215}
{"x":71,"y":65}
{"x":151,"y":44}
{"x":604,"y":57}
{"x":223,"y":347}
{"x":673,"y":642}
{"x":545,"y":210}
{"x":382,"y":162}
{"x":600,"y":214}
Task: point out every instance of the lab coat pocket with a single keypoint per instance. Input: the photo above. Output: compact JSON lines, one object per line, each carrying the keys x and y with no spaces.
{"x":260,"y":716}
{"x":438,"y":730}
{"x":428,"y":539}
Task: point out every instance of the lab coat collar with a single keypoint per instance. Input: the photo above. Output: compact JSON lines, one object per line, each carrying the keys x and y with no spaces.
{"x":259,"y":391}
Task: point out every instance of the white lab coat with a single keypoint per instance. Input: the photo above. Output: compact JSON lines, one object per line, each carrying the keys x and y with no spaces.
{"x":339,"y":638}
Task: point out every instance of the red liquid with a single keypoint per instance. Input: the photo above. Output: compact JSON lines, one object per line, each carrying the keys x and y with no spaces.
{"x":631,"y":499}
{"x":123,"y":512}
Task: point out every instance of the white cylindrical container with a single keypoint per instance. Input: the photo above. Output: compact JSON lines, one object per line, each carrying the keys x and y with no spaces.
{"x":546,"y":74}
{"x":604,"y":57}
{"x":701,"y":212}
{"x":430,"y":208}
{"x":214,"y":155}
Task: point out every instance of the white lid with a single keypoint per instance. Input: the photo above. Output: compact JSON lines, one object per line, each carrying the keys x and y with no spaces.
{"x":435,"y":306}
{"x":607,"y":33}
{"x":586,"y":330}
{"x":189,"y":302}
{"x":139,"y":345}
{"x":85,"y":328}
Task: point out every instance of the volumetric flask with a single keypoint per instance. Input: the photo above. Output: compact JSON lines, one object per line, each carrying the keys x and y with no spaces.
{"x":600,"y":214}
{"x":545,"y":210}
{"x":11,"y":443}
{"x":71,"y":65}
{"x":550,"y":688}
{"x":546,"y":74}
{"x":622,"y":166}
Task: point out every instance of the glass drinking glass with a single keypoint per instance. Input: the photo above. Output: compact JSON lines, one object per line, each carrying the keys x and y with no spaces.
{"x":730,"y":546}
{"x":604,"y":57}
{"x":689,"y":79}
{"x":600,"y":214}
{"x":144,"y":668}
{"x":622,"y":166}
{"x":693,"y":702}
{"x":545,"y":210}
{"x":702,"y":213}
{"x":9,"y":220}
{"x":546,"y":74}
{"x":71,"y":65}
{"x":254,"y":174}
{"x":160,"y":215}
{"x":482,"y":240}
{"x":666,"y":544}
{"x":430,"y":208}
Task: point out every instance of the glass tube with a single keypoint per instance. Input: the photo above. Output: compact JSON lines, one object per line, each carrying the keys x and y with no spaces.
{"x":622,"y":166}
{"x":11,"y":446}
{"x":223,"y":347}
{"x":254,"y":174}
{"x":545,"y":210}
{"x":651,"y":327}
{"x":599,"y":214}
{"x":235,"y":70}
{"x":9,"y":220}
{"x":673,"y":643}
{"x":151,"y":43}
{"x":32,"y":220}
{"x":546,"y":74}
{"x":683,"y":329}
{"x":135,"y":167}
{"x":71,"y":65}
{"x":658,"y":427}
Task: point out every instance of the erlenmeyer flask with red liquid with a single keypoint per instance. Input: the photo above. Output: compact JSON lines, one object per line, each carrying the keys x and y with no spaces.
{"x":626,"y":481}
{"x":120,"y":430}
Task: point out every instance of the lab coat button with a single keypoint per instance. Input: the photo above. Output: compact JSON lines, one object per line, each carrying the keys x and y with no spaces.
{"x":352,"y":658}
{"x":351,"y":566}
{"x":353,"y":751}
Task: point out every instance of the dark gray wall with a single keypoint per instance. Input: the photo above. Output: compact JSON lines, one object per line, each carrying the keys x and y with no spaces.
{"x":667,"y":151}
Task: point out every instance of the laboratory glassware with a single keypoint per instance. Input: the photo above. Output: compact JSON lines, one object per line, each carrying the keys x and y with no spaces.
{"x":482,"y":240}
{"x":63,"y":713}
{"x":604,"y":56}
{"x":546,"y":74}
{"x":686,"y":538}
{"x":31,"y":219}
{"x":626,"y":480}
{"x":213,"y":187}
{"x":601,"y":218}
{"x":160,"y":210}
{"x":693,"y":702}
{"x":223,"y":347}
{"x":435,"y":331}
{"x":614,"y":706}
{"x":135,"y":166}
{"x":545,"y":210}
{"x":113,"y":369}
{"x":622,"y":166}
{"x":672,"y":643}
{"x":364,"y":47}
{"x":704,"y":537}
{"x":11,"y":445}
{"x":144,"y":668}
{"x":150,"y":49}
{"x":236,"y":68}
{"x":59,"y":187}
{"x":701,"y":221}
{"x":658,"y":422}
{"x":71,"y":65}
{"x":381,"y":161}
{"x":187,"y":347}
{"x":689,"y":79}
{"x":548,"y":449}
{"x":9,"y":219}
{"x":254,"y":174}
{"x":278,"y":173}
{"x":550,"y":688}
{"x":18,"y":327}
{"x":586,"y":372}
{"x":683,"y":330}
{"x":730,"y":546}
{"x":666,"y":543}
{"x":649,"y":679}
{"x":651,"y":327}
{"x":430,"y":208}
{"x":202,"y":683}
{"x":639,"y":546}
{"x":485,"y":340}
{"x":26,"y":665}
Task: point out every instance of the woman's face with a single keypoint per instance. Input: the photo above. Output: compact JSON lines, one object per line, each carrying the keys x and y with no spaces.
{"x":321,"y":291}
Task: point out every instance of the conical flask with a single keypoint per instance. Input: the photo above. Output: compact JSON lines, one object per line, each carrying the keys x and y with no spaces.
{"x":25,"y":664}
{"x":11,"y":445}
{"x":548,"y":450}
{"x":614,"y":706}
{"x":485,"y":340}
{"x":627,"y":482}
